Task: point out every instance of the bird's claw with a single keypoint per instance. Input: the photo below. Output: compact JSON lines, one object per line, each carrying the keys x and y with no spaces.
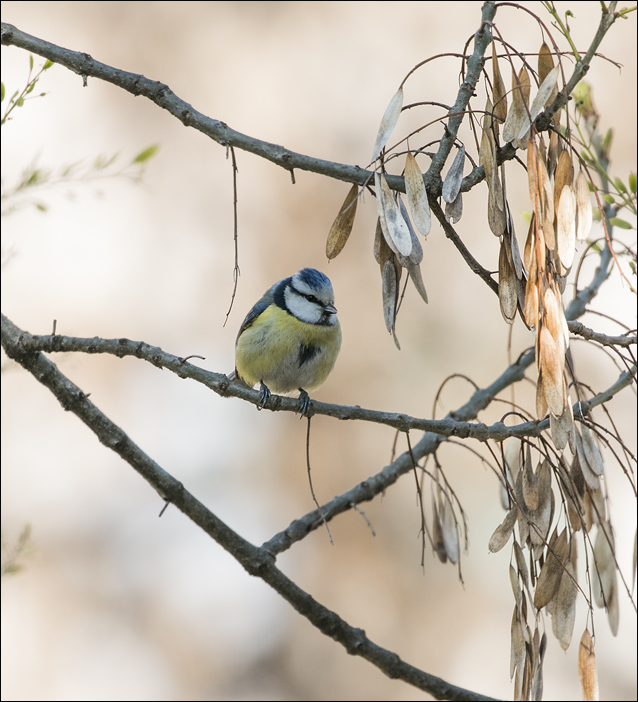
{"x":264,"y":396}
{"x":304,"y":403}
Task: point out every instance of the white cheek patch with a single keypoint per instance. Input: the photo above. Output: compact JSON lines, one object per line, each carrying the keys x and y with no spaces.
{"x":306,"y":311}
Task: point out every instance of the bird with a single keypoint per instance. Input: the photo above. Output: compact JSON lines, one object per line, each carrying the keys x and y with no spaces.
{"x":290,"y":339}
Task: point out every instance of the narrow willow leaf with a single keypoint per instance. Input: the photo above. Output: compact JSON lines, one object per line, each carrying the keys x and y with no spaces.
{"x":583,"y":207}
{"x":390,"y":290}
{"x":499,"y":93}
{"x":545,"y":91}
{"x":552,"y":571}
{"x":417,"y":195}
{"x":342,"y":226}
{"x":507,"y":289}
{"x":503,"y":531}
{"x":393,"y":225}
{"x":454,"y":177}
{"x":587,"y":671}
{"x":388,"y":123}
{"x":566,"y":226}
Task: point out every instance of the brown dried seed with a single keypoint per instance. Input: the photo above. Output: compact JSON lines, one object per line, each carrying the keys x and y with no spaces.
{"x":507,"y":288}
{"x":587,"y":672}
{"x":563,"y":176}
{"x":551,"y":364}
{"x":517,"y":114}
{"x":342,"y":226}
{"x":545,"y":62}
{"x":498,"y":89}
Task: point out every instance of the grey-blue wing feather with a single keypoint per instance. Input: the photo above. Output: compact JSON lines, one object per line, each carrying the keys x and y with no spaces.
{"x":257,"y":309}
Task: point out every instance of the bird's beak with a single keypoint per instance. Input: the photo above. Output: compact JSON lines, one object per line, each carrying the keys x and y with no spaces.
{"x":330,"y":308}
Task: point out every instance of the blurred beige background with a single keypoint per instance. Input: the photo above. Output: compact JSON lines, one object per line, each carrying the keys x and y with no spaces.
{"x":115,"y":603}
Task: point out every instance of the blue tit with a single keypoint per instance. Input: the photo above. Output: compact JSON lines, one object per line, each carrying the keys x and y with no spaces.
{"x":291,"y":338}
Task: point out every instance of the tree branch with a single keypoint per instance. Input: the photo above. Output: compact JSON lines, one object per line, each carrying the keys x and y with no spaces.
{"x":259,"y":562}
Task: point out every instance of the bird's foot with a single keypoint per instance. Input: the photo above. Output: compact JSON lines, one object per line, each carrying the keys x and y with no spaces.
{"x":264,"y":396}
{"x":304,"y":402}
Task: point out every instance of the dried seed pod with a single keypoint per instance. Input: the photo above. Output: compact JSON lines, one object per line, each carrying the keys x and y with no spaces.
{"x":545,"y":62}
{"x":563,"y":176}
{"x":551,"y":365}
{"x":388,"y":123}
{"x":394,"y":228}
{"x":545,"y":91}
{"x":454,"y":210}
{"x":517,"y":115}
{"x":584,"y":213}
{"x":417,"y":195}
{"x":342,"y":226}
{"x":390,"y":292}
{"x":498,"y":90}
{"x":449,"y":531}
{"x":507,"y":288}
{"x":503,"y":531}
{"x":552,"y":570}
{"x":454,"y":178}
{"x":587,"y":671}
{"x":566,"y":226}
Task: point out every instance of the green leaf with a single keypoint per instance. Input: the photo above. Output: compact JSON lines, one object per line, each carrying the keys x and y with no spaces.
{"x":632,"y":182}
{"x":608,"y":139}
{"x":145,"y":155}
{"x":609,"y":199}
{"x":620,"y":223}
{"x":19,"y":102}
{"x":620,"y":186}
{"x":30,"y":62}
{"x":47,"y":65}
{"x":1,"y":92}
{"x":30,"y":87}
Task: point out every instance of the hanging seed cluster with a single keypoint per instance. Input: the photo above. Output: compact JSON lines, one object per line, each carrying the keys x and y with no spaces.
{"x":544,"y":573}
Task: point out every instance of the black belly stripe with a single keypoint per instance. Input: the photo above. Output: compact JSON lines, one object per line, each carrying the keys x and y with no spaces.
{"x":306,"y":353}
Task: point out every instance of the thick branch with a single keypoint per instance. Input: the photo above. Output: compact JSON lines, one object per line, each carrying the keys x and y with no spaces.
{"x":257,"y":561}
